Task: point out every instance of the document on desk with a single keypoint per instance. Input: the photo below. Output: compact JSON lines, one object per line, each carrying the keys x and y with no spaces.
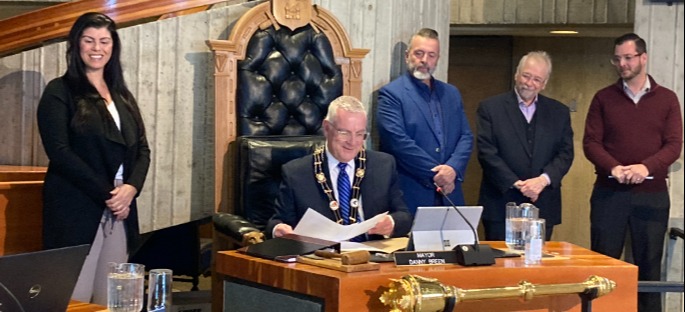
{"x":314,"y":224}
{"x":388,"y":245}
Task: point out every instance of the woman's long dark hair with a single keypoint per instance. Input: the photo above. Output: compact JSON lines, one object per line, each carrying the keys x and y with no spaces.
{"x":88,"y":99}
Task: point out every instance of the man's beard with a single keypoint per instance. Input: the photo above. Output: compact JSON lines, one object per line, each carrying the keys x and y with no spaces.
{"x":526,"y":94}
{"x":414,"y":70}
{"x":631,"y":73}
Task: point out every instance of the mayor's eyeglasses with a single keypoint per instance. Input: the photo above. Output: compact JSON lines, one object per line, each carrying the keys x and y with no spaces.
{"x":345,"y":135}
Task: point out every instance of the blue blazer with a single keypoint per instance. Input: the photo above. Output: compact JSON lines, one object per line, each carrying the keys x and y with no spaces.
{"x":407,"y":132}
{"x":380,"y":193}
{"x":505,"y":156}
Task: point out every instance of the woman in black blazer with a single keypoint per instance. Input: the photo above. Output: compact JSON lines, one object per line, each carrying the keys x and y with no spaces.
{"x":93,"y":134}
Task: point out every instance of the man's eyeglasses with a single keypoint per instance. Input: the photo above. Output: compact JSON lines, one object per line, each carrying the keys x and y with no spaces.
{"x":347,"y":135}
{"x":536,"y":80}
{"x":617,"y":58}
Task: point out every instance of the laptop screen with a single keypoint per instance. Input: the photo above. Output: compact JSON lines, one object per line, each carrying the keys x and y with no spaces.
{"x":439,"y":228}
{"x":42,"y":280}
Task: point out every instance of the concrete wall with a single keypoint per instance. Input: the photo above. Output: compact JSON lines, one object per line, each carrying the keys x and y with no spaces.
{"x":542,"y":11}
{"x":661,"y":25}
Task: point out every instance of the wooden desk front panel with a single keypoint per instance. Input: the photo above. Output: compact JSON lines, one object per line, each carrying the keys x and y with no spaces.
{"x":21,"y":209}
{"x":360,"y":291}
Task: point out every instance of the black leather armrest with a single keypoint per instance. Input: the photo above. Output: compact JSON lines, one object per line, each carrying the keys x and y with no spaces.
{"x":238,"y":228}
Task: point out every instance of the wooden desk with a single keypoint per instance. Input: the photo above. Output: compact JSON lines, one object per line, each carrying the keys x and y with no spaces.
{"x":360,"y":291}
{"x":21,"y":209}
{"x":77,"y":306}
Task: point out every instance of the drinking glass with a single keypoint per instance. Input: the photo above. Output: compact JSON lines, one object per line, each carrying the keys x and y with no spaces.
{"x":159,"y":290}
{"x":125,"y":287}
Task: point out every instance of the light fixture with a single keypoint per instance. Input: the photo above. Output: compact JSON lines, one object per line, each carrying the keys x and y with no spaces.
{"x":563,"y":32}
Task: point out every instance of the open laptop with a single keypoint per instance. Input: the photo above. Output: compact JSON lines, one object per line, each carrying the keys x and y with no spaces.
{"x":442,"y":228}
{"x":42,"y":280}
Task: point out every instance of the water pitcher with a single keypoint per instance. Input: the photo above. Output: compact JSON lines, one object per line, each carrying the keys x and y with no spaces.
{"x":516,"y":224}
{"x":125,"y":287}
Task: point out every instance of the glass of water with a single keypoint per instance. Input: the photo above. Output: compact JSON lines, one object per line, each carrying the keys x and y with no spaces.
{"x":125,"y":287}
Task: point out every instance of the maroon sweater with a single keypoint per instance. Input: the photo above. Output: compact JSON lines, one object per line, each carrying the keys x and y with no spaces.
{"x":619,"y":132}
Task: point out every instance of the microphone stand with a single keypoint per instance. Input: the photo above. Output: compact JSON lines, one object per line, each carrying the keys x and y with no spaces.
{"x":473,"y":254}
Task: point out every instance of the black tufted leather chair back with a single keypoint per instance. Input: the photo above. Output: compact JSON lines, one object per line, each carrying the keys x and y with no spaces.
{"x":286,"y":82}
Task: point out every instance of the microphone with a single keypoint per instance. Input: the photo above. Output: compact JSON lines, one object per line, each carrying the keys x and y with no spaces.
{"x":470,"y":255}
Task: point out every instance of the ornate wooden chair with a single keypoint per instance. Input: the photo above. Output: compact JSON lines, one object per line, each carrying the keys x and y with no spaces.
{"x":282,"y":65}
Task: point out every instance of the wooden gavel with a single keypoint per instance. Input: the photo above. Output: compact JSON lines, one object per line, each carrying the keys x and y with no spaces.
{"x":347,"y":258}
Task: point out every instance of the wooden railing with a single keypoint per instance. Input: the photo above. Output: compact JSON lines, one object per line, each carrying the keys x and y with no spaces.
{"x":34,"y":28}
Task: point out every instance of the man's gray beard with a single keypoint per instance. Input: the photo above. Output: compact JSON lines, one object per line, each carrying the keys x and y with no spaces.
{"x":420,"y":75}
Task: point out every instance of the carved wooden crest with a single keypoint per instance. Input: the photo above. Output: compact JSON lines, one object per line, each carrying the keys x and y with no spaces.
{"x":292,"y":13}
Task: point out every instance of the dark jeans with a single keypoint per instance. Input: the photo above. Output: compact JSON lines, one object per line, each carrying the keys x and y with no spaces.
{"x":645,"y":215}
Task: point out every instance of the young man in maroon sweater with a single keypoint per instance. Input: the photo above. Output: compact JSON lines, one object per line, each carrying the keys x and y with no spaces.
{"x":633,"y":133}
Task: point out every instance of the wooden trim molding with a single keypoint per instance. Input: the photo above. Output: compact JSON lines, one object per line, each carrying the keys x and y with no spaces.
{"x":36,"y":27}
{"x":227,"y":53}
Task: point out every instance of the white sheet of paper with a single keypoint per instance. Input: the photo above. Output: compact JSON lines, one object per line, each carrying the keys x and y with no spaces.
{"x":314,"y":224}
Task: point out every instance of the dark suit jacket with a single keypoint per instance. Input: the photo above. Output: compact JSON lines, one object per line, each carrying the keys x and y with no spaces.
{"x":380,"y":192}
{"x":407,"y":132}
{"x":505,"y":156}
{"x":83,"y":166}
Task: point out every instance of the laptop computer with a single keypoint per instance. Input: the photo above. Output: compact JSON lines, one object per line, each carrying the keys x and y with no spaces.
{"x":439,"y":228}
{"x":42,"y":280}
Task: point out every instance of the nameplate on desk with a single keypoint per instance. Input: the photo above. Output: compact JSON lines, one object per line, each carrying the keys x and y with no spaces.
{"x":425,"y":257}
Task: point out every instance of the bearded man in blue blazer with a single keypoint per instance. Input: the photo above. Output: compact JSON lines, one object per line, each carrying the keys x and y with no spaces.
{"x":421,"y":121}
{"x":525,"y":147}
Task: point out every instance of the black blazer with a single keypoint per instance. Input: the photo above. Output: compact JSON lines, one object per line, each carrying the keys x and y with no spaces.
{"x":380,"y":192}
{"x":83,"y":166}
{"x":505,"y":156}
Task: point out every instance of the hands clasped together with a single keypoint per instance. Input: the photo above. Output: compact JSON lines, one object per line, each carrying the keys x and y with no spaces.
{"x":632,"y":174}
{"x":120,"y":202}
{"x":532,"y":187}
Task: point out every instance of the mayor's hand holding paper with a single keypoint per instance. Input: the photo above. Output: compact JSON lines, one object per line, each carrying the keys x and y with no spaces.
{"x":282,"y":229}
{"x":384,"y":226}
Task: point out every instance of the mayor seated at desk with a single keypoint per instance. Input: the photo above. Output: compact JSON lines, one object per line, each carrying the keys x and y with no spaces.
{"x":343,"y":181}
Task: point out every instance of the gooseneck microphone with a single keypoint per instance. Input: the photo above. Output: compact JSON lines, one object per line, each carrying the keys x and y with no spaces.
{"x":470,"y":255}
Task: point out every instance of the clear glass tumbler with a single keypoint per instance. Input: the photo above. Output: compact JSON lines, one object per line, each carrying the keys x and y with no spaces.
{"x":159,"y":290}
